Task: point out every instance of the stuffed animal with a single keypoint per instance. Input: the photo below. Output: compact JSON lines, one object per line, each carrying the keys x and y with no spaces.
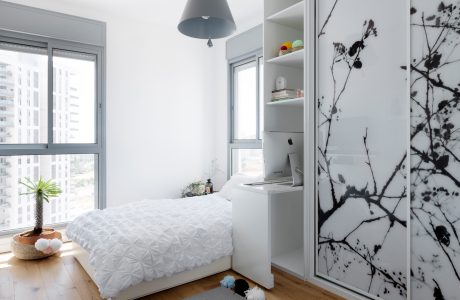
{"x":255,"y":294}
{"x":228,"y":282}
{"x":241,"y":286}
{"x":48,"y":246}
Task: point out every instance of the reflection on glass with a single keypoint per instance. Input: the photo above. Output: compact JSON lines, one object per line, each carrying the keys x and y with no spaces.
{"x":74,"y":96}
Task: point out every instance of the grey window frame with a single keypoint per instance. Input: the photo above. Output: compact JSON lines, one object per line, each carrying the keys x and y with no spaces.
{"x":98,"y":148}
{"x":233,"y":143}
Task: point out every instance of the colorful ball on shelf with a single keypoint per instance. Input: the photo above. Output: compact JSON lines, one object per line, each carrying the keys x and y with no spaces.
{"x":283,"y":48}
{"x":288,"y":45}
{"x":297,"y":43}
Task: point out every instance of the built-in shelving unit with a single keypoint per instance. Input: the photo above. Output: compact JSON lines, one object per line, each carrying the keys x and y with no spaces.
{"x":284,"y":21}
{"x":294,"y":59}
{"x":296,"y":102}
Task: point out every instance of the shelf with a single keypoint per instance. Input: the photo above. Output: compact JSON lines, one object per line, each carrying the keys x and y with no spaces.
{"x":297,"y":102}
{"x":291,"y":262}
{"x":292,"y":16}
{"x":294,"y":59}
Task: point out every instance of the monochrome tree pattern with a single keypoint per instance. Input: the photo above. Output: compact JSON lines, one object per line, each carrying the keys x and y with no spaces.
{"x":374,"y":201}
{"x":435,"y":149}
{"x":365,"y":249}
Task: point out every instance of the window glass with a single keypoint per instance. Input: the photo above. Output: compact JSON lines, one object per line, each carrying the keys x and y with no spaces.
{"x":245,"y":102}
{"x":74,"y":97}
{"x":247,"y":161}
{"x":261,"y":97}
{"x":74,"y":174}
{"x":23,"y":94}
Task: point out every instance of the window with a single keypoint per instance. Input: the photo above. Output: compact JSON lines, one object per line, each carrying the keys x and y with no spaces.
{"x":246,"y":116}
{"x":50,"y":126}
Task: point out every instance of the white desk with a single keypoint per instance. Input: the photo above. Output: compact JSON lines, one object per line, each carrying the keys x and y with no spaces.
{"x":267,"y":229}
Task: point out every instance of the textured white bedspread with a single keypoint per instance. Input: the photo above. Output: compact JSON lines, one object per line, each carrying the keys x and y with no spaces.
{"x":150,"y":239}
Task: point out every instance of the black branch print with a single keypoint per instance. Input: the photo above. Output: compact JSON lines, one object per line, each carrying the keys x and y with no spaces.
{"x":434,"y":164}
{"x":435,"y":151}
{"x":381,"y":201}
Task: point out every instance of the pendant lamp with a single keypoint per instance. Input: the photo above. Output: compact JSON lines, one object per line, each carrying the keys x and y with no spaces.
{"x":207,"y":19}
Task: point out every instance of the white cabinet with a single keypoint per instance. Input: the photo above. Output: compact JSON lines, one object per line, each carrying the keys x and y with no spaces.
{"x":268,"y":230}
{"x":269,"y":221}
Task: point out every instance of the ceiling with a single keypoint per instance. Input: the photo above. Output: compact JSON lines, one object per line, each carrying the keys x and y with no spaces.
{"x":245,"y":12}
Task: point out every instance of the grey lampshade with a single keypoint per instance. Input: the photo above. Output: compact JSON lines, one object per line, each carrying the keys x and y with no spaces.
{"x":207,"y":19}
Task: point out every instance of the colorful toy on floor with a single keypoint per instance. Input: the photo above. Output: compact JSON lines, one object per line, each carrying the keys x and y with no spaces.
{"x":241,"y":286}
{"x":228,"y":282}
{"x":255,"y":294}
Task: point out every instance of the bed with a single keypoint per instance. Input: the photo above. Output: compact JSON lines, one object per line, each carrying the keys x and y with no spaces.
{"x":148,"y":246}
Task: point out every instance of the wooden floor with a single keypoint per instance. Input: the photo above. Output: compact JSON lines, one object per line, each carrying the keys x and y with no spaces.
{"x":61,"y":277}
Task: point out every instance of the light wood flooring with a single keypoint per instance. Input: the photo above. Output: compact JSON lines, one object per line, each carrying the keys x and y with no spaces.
{"x":61,"y":277}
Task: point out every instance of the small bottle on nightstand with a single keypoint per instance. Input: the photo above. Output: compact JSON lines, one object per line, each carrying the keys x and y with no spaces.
{"x":208,"y":188}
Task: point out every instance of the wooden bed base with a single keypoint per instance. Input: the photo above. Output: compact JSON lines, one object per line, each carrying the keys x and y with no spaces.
{"x":150,"y":287}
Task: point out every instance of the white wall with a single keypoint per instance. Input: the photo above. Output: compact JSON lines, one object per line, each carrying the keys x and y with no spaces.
{"x":159,"y":122}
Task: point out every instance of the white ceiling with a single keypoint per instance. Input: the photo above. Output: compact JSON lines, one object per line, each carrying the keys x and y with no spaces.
{"x":245,"y":12}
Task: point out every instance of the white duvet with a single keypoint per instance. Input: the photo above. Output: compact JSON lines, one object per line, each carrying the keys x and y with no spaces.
{"x":150,"y":239}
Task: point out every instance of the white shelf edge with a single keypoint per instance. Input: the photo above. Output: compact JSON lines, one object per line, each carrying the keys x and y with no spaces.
{"x":287,"y":58}
{"x":276,"y":15}
{"x":288,"y":102}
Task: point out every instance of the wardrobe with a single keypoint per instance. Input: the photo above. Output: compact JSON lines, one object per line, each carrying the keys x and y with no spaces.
{"x":381,"y":123}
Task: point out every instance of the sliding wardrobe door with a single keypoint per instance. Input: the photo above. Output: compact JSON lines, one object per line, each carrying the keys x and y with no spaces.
{"x":362,"y":131}
{"x":435,"y":149}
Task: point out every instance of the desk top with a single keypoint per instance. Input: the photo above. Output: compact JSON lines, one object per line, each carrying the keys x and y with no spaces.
{"x":272,"y":188}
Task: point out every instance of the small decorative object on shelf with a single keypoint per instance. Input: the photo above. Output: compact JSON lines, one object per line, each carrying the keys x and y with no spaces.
{"x":280,"y":83}
{"x":39,"y":242}
{"x":209,"y":188}
{"x":285,"y":48}
{"x":285,"y":94}
{"x":289,"y":47}
{"x":297,"y":45}
{"x":196,"y":188}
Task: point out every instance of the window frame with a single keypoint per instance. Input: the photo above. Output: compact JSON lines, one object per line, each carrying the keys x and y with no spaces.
{"x":98,"y":148}
{"x":233,"y":143}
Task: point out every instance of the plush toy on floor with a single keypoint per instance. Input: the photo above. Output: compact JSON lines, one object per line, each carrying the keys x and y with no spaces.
{"x":255,"y":294}
{"x":241,"y":286}
{"x":228,"y":282}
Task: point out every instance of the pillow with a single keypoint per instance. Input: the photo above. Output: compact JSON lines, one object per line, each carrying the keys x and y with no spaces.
{"x":235,"y":180}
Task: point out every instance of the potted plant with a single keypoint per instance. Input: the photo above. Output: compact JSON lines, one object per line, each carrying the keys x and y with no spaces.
{"x":24,"y":244}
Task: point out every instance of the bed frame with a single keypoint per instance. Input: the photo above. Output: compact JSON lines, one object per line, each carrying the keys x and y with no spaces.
{"x":150,"y":287}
